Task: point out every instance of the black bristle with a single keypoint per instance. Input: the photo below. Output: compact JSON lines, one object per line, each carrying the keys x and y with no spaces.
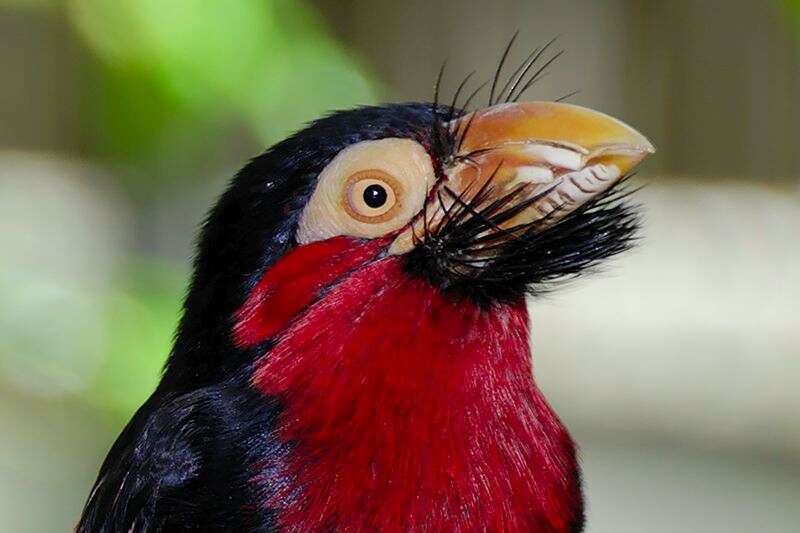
{"x":500,"y":65}
{"x":540,"y":72}
{"x":470,"y":255}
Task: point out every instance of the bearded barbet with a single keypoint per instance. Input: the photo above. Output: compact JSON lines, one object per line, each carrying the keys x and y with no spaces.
{"x":353,"y":354}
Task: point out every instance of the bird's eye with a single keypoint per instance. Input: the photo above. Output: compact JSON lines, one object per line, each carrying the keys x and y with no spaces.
{"x":372,"y":196}
{"x":375,"y":196}
{"x":370,"y":189}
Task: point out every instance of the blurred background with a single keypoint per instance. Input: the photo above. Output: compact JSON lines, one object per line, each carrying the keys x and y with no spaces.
{"x":122,"y":120}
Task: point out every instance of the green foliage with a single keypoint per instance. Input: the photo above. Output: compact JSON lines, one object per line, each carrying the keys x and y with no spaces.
{"x":793,"y":6}
{"x":140,"y":320}
{"x":166,"y":70}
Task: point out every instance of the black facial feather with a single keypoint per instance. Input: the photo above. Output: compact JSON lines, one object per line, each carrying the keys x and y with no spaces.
{"x":470,"y":255}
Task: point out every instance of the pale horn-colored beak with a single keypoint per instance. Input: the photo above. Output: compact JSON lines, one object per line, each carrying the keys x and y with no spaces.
{"x":554,"y":156}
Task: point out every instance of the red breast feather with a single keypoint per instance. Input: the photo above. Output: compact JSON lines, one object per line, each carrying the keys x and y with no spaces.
{"x":405,"y":409}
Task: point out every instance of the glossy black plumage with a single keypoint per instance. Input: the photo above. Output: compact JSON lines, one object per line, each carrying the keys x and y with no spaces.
{"x":184,"y":462}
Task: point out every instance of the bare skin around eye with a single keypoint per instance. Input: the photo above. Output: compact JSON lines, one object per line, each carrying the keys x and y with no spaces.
{"x":400,"y":166}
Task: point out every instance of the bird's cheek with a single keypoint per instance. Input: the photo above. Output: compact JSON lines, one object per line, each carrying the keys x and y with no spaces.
{"x":294,"y":282}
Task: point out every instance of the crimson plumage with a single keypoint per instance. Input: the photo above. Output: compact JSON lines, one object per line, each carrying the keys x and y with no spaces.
{"x":406,"y":398}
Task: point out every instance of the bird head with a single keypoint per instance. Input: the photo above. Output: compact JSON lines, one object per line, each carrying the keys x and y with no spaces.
{"x":483,"y":206}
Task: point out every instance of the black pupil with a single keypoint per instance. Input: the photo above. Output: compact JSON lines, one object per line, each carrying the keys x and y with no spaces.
{"x":375,"y":196}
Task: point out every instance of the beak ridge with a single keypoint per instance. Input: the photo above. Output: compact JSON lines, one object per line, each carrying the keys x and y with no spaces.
{"x":578,"y":128}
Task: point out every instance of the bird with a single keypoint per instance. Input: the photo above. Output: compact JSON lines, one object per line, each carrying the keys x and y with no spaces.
{"x":353,"y":353}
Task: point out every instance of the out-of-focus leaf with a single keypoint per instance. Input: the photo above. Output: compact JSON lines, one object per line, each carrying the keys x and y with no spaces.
{"x":312,"y":81}
{"x":51,"y":336}
{"x":793,"y":6}
{"x":140,"y":321}
{"x":30,"y":4}
{"x":167,"y":70}
{"x":200,"y":52}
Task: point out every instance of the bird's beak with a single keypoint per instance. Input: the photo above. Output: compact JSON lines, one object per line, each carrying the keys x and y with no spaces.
{"x":547,"y":158}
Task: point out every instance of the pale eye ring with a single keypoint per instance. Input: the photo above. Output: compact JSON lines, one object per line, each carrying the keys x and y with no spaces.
{"x":372,"y":196}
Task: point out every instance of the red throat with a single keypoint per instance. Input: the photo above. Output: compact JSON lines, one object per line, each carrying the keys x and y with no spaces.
{"x":405,"y":410}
